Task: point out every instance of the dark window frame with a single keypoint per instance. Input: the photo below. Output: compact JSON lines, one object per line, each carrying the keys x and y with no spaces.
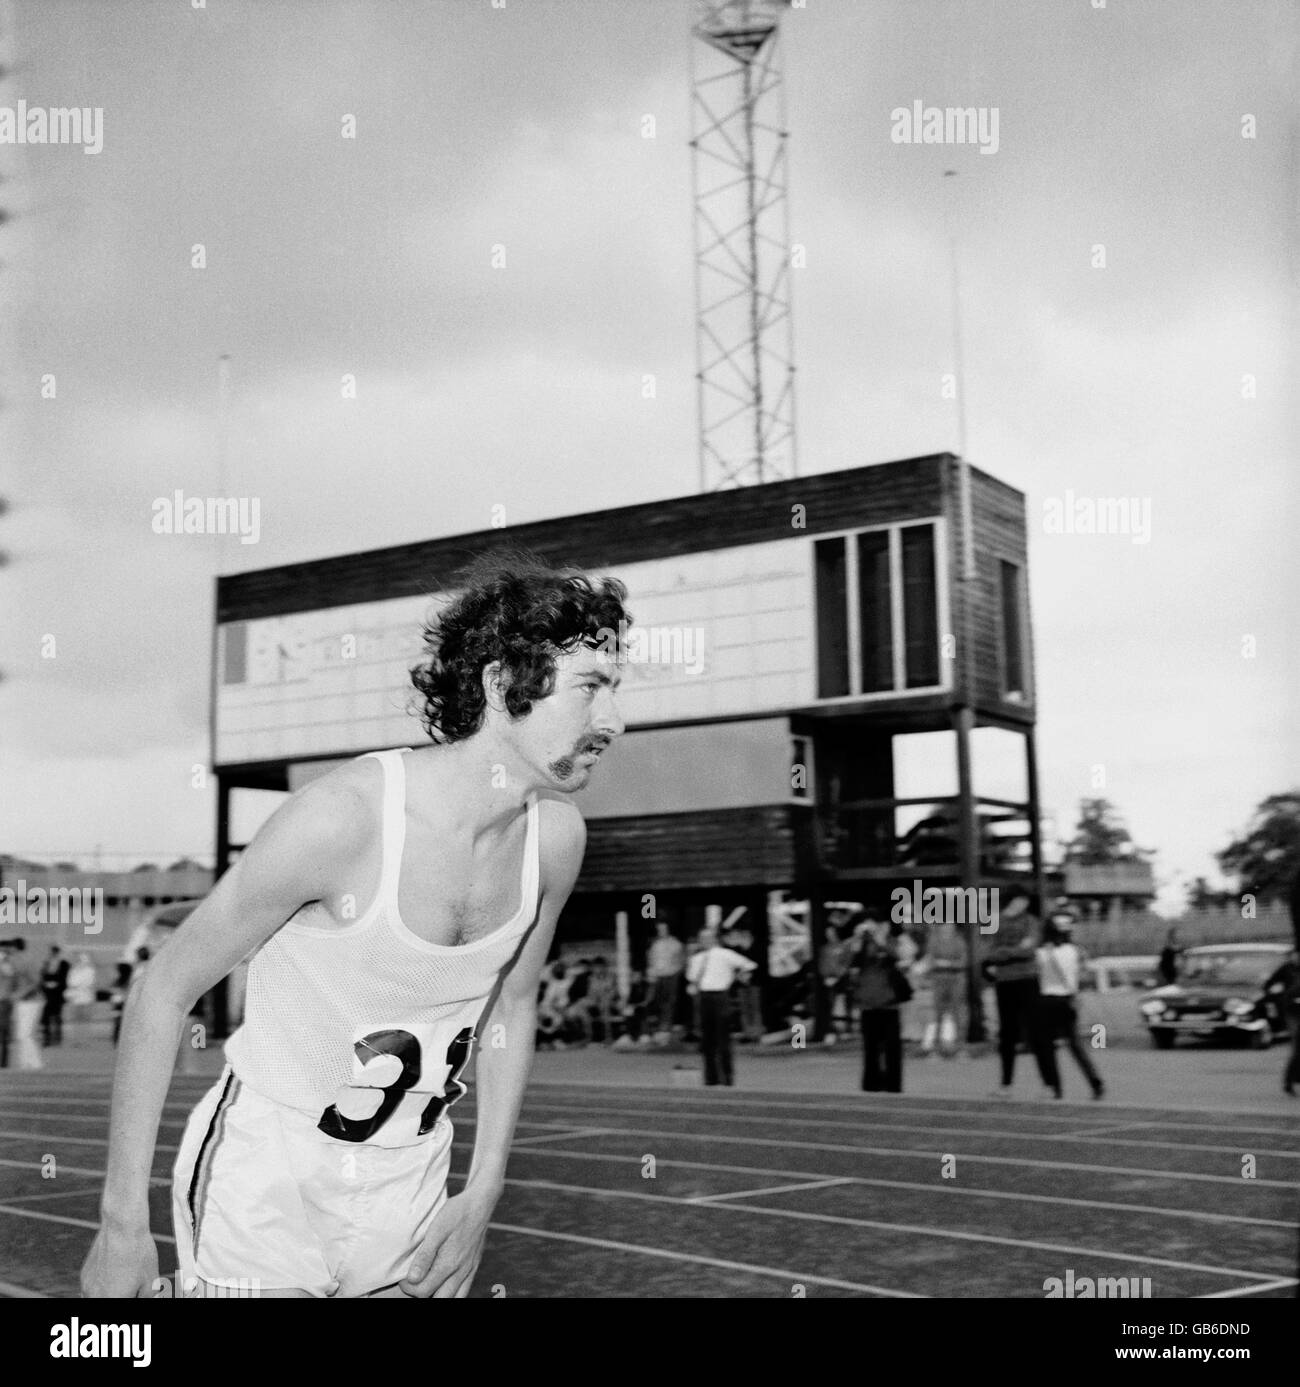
{"x":849,"y":541}
{"x":1012,"y":652}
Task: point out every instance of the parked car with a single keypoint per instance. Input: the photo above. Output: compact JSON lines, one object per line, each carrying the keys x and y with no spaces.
{"x":1219,"y":995}
{"x":1114,"y":972}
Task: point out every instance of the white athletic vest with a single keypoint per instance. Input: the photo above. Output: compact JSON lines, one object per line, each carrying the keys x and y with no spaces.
{"x":366,"y":1027}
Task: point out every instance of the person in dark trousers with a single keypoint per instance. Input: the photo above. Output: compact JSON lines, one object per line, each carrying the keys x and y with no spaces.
{"x":876,"y":962}
{"x":54,"y":987}
{"x":1014,"y":969}
{"x":8,"y":986}
{"x":120,"y":989}
{"x":1169,"y":958}
{"x":1295,"y":909}
{"x":1285,"y":986}
{"x":1059,"y":963}
{"x":709,"y":974}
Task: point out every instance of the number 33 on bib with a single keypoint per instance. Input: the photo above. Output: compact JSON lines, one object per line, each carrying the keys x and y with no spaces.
{"x":402,"y":1083}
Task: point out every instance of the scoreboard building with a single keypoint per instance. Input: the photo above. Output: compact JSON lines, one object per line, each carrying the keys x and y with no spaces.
{"x":784,"y":636}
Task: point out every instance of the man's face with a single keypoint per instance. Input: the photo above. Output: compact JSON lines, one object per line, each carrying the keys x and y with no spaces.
{"x":564,"y":734}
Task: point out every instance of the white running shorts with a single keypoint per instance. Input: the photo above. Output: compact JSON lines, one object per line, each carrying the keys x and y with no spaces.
{"x":262,"y":1198}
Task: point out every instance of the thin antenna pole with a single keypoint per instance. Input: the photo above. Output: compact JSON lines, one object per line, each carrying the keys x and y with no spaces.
{"x":959,"y":369}
{"x":223,"y":438}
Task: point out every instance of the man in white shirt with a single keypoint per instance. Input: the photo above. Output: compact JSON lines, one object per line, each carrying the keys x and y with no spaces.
{"x":710,"y":973}
{"x":1059,"y":963}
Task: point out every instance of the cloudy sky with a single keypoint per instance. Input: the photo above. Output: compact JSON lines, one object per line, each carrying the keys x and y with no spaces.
{"x":1167,"y":375}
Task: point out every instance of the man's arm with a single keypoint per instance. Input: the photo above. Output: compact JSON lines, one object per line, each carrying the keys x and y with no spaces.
{"x":446,"y":1261}
{"x":298,"y":857}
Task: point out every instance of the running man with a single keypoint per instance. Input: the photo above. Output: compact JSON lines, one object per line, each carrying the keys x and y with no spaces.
{"x":402,"y":907}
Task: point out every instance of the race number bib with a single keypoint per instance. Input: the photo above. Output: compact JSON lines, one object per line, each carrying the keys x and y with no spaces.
{"x":399,"y":1069}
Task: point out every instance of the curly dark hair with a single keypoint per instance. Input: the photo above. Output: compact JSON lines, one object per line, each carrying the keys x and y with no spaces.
{"x":516,"y":608}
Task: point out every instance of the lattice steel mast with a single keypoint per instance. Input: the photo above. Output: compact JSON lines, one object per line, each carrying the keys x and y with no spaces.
{"x":744,"y":330}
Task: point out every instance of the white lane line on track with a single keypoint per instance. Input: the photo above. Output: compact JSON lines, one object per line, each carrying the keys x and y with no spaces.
{"x":1251,"y":1290}
{"x":1029,"y":1111}
{"x":560,"y":1136}
{"x":911,"y":1105}
{"x":808,"y":1178}
{"x":101,"y":1118}
{"x":1065,"y":1249}
{"x":904,"y":1152}
{"x":840,"y":1220}
{"x":923,"y":1130}
{"x":921,"y":1154}
{"x":947,"y":1188}
{"x":1105,"y":1131}
{"x":79,"y":1170}
{"x":75,"y":1141}
{"x":82,"y":1117}
{"x":1083,"y":1136}
{"x":71,"y":1222}
{"x":748,"y":1267}
{"x":51,"y":1194}
{"x":771,"y":1189}
{"x":7,"y":1288}
{"x":795,"y":1277}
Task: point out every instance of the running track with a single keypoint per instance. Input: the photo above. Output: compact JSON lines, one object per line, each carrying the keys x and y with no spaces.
{"x":626,"y":1191}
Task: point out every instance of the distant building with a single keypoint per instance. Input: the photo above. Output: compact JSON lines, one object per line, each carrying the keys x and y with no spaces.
{"x":1108,"y":887}
{"x":128,"y":898}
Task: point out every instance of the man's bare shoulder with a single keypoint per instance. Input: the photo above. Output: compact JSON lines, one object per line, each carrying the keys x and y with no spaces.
{"x":562,"y":825}
{"x":340,"y":811}
{"x":563,"y":836}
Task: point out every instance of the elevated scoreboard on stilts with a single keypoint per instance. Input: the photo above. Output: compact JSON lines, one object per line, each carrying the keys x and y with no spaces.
{"x":787,"y":638}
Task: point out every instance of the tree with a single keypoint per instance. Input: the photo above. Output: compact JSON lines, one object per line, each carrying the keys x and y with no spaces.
{"x":1100,"y":836}
{"x":1201,"y":895}
{"x":1266,"y":859}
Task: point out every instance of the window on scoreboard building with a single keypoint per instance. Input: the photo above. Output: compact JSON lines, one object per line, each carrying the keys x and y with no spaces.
{"x":832,"y":619}
{"x":1013,"y":660}
{"x":878,"y":611}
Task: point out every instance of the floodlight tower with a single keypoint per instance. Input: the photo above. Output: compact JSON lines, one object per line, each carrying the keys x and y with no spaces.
{"x":744,"y":332}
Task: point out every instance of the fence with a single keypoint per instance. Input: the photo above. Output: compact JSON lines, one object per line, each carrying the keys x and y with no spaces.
{"x":1141,"y":932}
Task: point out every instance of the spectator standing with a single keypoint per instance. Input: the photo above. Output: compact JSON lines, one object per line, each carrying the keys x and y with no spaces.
{"x":1059,"y":963}
{"x":749,"y":994}
{"x":1013,"y":964}
{"x":631,"y":1012}
{"x":1285,"y":985}
{"x":54,"y":987}
{"x":833,"y":967}
{"x":81,"y":997}
{"x":947,"y":955}
{"x":709,"y":976}
{"x":1295,"y":909}
{"x":6,"y":1000}
{"x":907,"y":953}
{"x":664,"y":967}
{"x":28,"y":1002}
{"x":120,"y":991}
{"x":1169,"y":958}
{"x":880,"y":986}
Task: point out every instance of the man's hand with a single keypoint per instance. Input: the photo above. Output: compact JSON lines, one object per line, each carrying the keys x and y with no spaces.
{"x":120,"y":1265}
{"x":446,"y":1261}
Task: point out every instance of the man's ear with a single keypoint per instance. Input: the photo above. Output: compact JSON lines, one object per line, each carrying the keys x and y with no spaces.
{"x":495,"y":684}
